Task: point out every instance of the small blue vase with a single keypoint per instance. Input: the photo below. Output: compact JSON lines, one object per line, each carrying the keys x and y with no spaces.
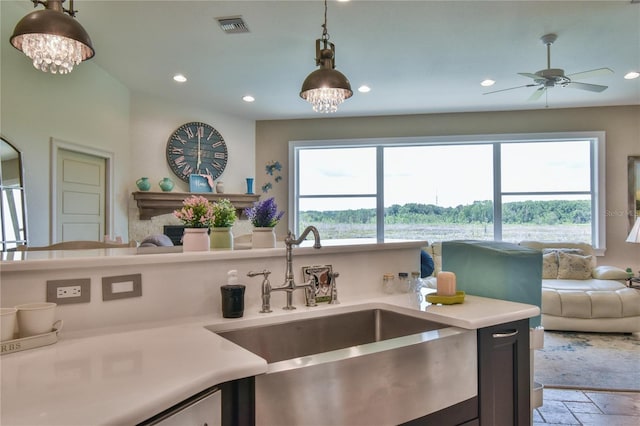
{"x":249,"y":185}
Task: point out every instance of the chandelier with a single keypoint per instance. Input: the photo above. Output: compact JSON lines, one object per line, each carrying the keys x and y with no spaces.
{"x":53,"y":40}
{"x":326,"y":87}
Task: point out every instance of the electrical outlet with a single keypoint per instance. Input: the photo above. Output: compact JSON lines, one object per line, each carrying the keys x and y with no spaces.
{"x":71,"y":291}
{"x":63,"y":292}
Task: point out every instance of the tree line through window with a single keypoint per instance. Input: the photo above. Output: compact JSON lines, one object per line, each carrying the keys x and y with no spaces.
{"x":420,"y":188}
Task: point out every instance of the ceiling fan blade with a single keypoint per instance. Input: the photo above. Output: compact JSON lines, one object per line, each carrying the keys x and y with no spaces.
{"x":585,"y":86}
{"x":528,"y":74}
{"x":589,"y":74}
{"x":510,"y":88}
{"x":536,"y":95}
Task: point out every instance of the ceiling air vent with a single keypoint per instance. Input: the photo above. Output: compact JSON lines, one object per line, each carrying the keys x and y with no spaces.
{"x":233,"y":25}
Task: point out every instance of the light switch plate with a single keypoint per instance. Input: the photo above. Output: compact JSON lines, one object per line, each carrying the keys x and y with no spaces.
{"x":64,"y":292}
{"x":121,"y":287}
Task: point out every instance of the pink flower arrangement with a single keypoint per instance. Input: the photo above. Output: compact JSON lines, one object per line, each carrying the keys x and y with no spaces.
{"x":196,"y":212}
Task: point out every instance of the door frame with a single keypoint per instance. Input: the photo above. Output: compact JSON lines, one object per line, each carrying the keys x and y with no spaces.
{"x":56,"y":146}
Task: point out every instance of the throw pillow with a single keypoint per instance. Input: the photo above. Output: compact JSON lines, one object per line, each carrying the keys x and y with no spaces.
{"x":427,"y":265}
{"x":609,"y":273}
{"x":549,"y":266}
{"x":574,"y":266}
{"x":564,"y":250}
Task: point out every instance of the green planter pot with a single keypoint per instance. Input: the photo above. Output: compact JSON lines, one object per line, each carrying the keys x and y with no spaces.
{"x":221,"y":238}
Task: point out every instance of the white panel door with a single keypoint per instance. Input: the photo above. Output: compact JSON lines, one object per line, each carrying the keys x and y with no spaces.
{"x":80,"y":197}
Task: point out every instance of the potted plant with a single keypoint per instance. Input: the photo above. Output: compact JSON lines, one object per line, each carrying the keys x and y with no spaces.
{"x":264,"y":216}
{"x":225,"y":216}
{"x":197,"y":215}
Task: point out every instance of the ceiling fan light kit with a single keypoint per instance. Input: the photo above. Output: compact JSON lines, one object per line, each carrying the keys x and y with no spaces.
{"x":555,"y":77}
{"x":52,"y":38}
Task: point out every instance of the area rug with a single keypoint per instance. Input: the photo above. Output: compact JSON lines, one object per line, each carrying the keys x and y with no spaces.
{"x":592,"y":361}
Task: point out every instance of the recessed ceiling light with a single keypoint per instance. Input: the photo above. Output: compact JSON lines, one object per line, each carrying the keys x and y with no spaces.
{"x":180,"y":78}
{"x":364,"y":89}
{"x":487,"y":82}
{"x":248,"y":98}
{"x":631,"y":75}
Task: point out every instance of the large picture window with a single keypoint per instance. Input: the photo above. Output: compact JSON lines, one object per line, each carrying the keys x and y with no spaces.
{"x":545,"y":187}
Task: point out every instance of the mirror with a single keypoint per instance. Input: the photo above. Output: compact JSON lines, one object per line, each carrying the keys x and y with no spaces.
{"x":634,"y":189}
{"x":13,"y":231}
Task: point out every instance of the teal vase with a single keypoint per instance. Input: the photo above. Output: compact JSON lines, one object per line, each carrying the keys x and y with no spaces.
{"x":143,"y":184}
{"x":166,"y":184}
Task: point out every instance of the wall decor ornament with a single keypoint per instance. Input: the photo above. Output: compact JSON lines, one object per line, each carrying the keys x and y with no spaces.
{"x":272,"y":168}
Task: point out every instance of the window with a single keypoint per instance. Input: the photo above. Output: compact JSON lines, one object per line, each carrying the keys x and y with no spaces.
{"x":545,"y":187}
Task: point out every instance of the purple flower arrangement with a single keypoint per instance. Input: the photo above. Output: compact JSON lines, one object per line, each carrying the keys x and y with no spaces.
{"x":264,"y":214}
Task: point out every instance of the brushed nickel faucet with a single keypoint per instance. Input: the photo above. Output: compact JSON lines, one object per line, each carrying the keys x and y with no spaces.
{"x":289,"y":285}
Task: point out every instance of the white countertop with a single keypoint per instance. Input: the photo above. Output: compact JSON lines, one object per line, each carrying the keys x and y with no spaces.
{"x":125,"y":375}
{"x":20,"y":261}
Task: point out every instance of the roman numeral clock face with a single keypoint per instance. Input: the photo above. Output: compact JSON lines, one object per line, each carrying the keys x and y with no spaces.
{"x":196,"y":148}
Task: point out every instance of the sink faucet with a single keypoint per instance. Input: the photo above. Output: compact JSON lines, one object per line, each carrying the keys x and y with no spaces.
{"x":266,"y":290}
{"x":289,"y":285}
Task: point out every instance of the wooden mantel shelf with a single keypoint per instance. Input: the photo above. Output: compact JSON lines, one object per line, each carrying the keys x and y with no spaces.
{"x":152,"y":204}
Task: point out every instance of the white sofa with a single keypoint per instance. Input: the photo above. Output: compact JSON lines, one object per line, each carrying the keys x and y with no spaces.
{"x":578,"y":295}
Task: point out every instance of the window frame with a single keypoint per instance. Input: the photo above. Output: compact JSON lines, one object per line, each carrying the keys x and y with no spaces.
{"x":597,"y":141}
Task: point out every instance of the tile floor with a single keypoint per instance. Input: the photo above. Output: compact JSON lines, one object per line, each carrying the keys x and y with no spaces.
{"x":585,"y":407}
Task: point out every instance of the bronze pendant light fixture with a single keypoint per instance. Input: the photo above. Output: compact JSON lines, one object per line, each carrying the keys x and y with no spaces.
{"x":326,"y":87}
{"x":53,"y":40}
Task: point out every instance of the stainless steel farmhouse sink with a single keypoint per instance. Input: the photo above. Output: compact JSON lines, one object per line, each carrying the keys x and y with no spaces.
{"x":367,"y":367}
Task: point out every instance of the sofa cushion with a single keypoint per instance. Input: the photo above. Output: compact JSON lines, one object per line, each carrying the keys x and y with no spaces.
{"x":574,"y":266}
{"x":572,"y":303}
{"x":609,"y":273}
{"x":549,"y":266}
{"x":583,"y":285}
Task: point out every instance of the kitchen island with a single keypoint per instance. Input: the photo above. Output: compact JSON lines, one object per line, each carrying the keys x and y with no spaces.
{"x":126,"y":368}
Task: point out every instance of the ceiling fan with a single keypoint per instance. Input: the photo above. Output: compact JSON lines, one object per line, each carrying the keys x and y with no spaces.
{"x":552,"y":77}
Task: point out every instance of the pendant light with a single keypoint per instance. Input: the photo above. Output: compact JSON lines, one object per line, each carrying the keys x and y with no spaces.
{"x":53,"y":40}
{"x":326,"y":87}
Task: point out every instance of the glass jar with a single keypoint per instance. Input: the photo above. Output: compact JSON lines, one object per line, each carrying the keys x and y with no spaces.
{"x":415,"y":286}
{"x":388,"y":283}
{"x":402,"y":285}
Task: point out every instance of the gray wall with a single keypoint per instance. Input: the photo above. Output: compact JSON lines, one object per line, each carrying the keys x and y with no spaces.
{"x":621,"y":124}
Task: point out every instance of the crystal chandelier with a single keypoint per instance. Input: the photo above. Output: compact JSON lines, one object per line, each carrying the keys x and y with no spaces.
{"x":53,"y":40}
{"x":326,"y":87}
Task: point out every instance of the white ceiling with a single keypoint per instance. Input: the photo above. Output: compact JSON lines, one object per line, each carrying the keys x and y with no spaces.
{"x":417,"y":56}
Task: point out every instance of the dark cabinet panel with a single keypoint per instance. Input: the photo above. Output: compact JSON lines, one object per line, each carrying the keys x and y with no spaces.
{"x":503,"y":374}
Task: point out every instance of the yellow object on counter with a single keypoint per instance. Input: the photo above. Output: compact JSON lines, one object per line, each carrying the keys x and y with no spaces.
{"x":446,"y":300}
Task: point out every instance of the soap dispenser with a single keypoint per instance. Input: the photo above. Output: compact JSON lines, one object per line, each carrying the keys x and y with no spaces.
{"x":232,"y":295}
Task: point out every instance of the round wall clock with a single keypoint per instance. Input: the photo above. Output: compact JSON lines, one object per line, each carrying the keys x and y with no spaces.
{"x":196,"y":148}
